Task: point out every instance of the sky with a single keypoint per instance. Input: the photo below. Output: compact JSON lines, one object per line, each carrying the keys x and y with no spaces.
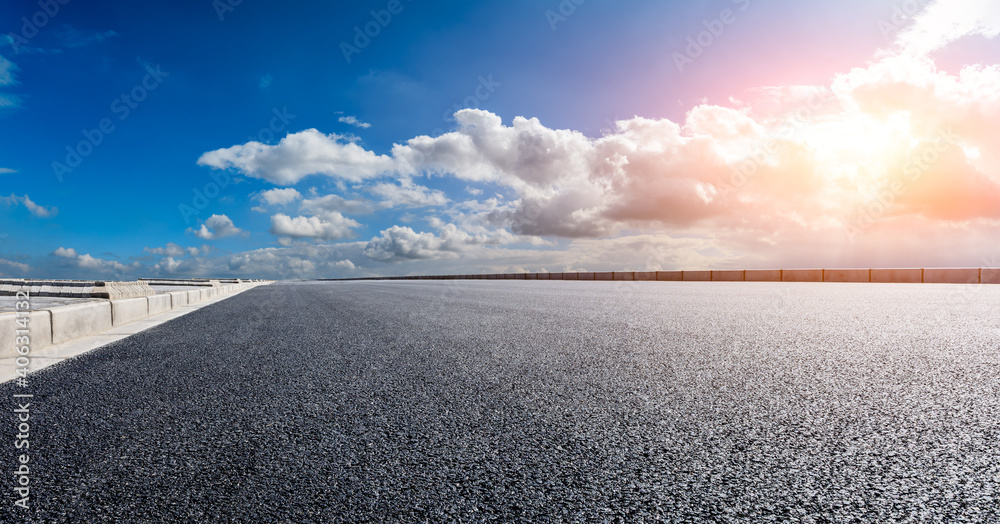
{"x":309,"y":139}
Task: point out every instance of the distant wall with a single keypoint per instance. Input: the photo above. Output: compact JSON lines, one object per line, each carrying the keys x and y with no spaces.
{"x":877,"y":275}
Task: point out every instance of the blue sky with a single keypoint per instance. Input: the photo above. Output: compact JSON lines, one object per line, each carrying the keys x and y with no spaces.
{"x":319,"y":153}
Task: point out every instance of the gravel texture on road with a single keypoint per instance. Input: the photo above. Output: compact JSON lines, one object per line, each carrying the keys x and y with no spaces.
{"x":533,"y":402}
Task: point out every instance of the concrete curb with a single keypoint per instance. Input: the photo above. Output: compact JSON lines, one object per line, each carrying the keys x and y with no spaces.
{"x":62,"y":324}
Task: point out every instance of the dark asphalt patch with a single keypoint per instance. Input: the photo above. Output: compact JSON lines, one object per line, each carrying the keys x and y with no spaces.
{"x":534,"y":402}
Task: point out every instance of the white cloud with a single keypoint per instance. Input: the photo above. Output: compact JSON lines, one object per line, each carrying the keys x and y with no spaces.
{"x":335,"y":203}
{"x":332,"y":226}
{"x":171,"y":250}
{"x":70,"y":258}
{"x":32,"y":207}
{"x":345,"y":264}
{"x":217,"y":226}
{"x":22,"y":268}
{"x":167,"y":265}
{"x":943,"y":22}
{"x":276,"y":197}
{"x":353,"y":120}
{"x":299,"y":155}
{"x":402,"y":243}
{"x":408,"y":194}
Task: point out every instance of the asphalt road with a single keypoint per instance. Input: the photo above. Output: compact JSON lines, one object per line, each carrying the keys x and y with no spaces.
{"x":534,"y":402}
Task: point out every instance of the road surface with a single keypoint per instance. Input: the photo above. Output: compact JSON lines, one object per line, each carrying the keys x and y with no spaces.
{"x":534,"y":402}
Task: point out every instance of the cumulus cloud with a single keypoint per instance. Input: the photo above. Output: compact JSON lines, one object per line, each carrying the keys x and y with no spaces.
{"x":331,"y":226}
{"x":353,"y":120}
{"x":21,"y":267}
{"x":335,"y":203}
{"x":31,"y":206}
{"x":217,"y":226}
{"x":403,"y":243}
{"x":277,"y":197}
{"x":408,"y":194}
{"x":90,"y":264}
{"x":299,"y":155}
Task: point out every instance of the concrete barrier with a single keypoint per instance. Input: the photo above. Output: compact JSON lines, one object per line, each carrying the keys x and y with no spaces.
{"x":178,"y":299}
{"x":801,"y":275}
{"x":968,"y":275}
{"x":846,"y":275}
{"x":65,"y":323}
{"x":645,"y":275}
{"x":78,"y":320}
{"x":669,"y":276}
{"x":158,"y":304}
{"x":989,"y":275}
{"x":194,"y":296}
{"x":602,"y":275}
{"x":39,"y":328}
{"x":127,"y":310}
{"x":623,"y":275}
{"x":697,"y":276}
{"x":728,"y":276}
{"x":898,"y":275}
{"x":762,"y":275}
